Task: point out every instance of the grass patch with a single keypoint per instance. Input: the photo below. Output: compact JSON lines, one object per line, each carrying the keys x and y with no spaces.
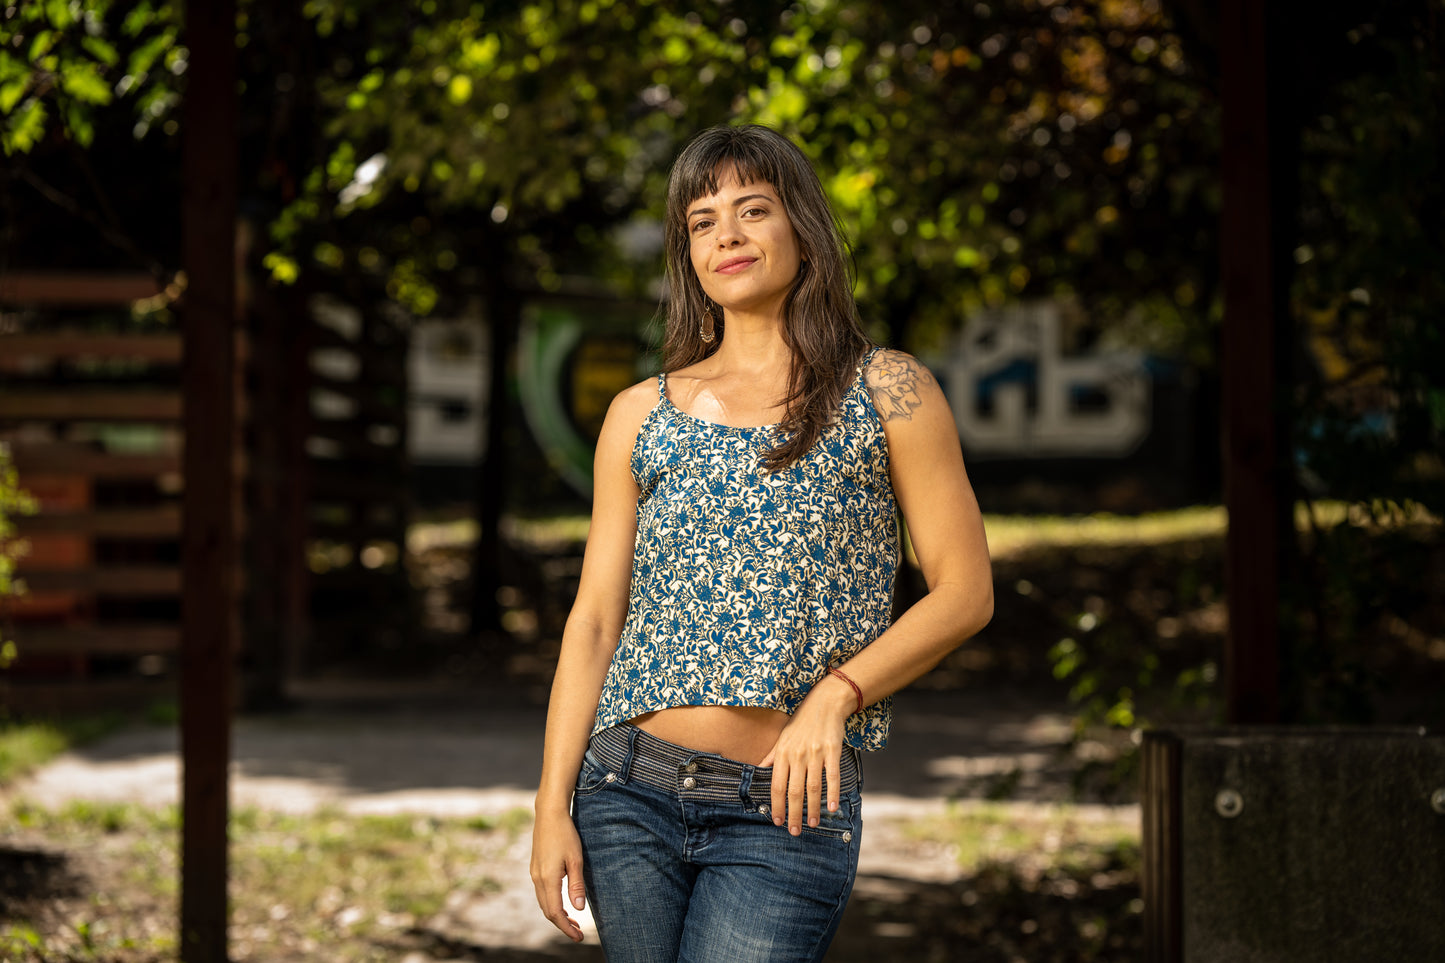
{"x":26,"y":744}
{"x":323,"y":885}
{"x":1057,"y":837}
{"x":1008,"y":534}
{"x":550,"y":534}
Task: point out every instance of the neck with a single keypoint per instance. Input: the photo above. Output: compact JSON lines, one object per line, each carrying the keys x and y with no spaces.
{"x":755,"y":340}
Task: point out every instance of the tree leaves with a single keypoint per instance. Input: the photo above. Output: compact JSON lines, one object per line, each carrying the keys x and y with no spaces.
{"x":83,"y":82}
{"x":60,"y":61}
{"x":24,"y":127}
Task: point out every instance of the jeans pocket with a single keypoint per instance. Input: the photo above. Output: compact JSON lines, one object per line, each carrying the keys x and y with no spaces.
{"x":592,"y":776}
{"x":842,"y":824}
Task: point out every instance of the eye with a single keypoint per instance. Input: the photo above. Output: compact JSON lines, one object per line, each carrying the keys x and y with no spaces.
{"x":700,"y":225}
{"x":755,"y":210}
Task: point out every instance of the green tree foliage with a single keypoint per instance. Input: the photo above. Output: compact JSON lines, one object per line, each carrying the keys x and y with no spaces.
{"x":60,"y":61}
{"x":977,"y":152}
{"x":990,"y":152}
{"x":1026,"y":148}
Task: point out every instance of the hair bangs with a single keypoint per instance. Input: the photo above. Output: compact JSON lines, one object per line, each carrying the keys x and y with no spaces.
{"x":702,"y":165}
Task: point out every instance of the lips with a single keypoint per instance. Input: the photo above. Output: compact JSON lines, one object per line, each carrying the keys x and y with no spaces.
{"x":734,"y":265}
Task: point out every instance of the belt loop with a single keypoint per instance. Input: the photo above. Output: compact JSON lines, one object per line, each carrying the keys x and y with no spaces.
{"x":632,"y":733}
{"x":745,"y":784}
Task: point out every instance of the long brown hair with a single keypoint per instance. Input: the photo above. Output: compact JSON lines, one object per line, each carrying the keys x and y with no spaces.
{"x":820,"y":319}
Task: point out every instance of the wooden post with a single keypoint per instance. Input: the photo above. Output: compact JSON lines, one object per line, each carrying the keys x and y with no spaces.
{"x":208,"y":553}
{"x":1252,"y":482}
{"x":1162,"y":887}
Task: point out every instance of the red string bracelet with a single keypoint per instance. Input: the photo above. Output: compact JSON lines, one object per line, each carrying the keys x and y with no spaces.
{"x":851,"y":684}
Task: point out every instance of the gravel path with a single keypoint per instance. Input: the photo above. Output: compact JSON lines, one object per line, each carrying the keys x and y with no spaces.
{"x":447,"y":753}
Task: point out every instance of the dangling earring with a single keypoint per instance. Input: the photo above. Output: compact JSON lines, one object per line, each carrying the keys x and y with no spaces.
{"x":707,"y":330}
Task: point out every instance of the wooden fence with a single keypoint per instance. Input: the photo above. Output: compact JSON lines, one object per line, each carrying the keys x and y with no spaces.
{"x":91,"y":405}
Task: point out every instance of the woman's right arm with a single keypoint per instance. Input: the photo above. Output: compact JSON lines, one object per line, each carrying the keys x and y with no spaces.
{"x":588,"y":641}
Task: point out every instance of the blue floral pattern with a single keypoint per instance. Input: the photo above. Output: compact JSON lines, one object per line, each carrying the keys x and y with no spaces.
{"x":747,"y":585}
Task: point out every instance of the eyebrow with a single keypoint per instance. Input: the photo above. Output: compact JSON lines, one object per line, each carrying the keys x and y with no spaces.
{"x":741,"y":200}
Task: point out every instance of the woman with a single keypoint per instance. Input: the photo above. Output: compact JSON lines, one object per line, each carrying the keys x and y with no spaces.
{"x":729,"y":653}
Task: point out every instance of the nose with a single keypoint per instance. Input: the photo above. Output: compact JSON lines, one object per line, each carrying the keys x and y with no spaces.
{"x":729,"y":231}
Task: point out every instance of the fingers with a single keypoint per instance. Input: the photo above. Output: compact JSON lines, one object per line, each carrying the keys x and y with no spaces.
{"x":780,"y":792}
{"x":815,"y":793}
{"x":808,"y":752}
{"x":797,"y":782}
{"x":549,"y":898}
{"x":549,"y":866}
{"x":576,"y":889}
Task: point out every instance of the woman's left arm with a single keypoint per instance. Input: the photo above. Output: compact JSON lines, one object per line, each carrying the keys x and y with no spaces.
{"x":946,"y":530}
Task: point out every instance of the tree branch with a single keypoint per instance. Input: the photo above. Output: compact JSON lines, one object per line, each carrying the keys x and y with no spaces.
{"x":115,"y":237}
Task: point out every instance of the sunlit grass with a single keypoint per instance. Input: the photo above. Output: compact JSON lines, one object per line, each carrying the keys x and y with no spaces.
{"x":26,"y":744}
{"x":1060,"y":837}
{"x":1006,"y":533}
{"x":546,"y":533}
{"x":1013,"y":533}
{"x":324,"y":885}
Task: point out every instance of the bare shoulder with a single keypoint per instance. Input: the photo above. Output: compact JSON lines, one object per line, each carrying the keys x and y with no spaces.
{"x":626,"y":414}
{"x":638,"y":399}
{"x":900,"y":384}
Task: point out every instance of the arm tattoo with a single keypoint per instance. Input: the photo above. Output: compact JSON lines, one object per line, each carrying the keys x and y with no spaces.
{"x":894,"y":379}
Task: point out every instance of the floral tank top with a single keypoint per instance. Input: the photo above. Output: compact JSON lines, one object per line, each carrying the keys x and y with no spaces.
{"x":747,"y":584}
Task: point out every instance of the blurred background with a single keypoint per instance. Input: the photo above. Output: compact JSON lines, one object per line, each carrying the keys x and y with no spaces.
{"x":450,"y":261}
{"x":449,"y":257}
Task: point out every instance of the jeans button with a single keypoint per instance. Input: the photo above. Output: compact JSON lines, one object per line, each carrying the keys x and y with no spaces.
{"x":847,"y":837}
{"x":763,"y":809}
{"x":690,"y":767}
{"x":689,"y":783}
{"x":611,"y":777}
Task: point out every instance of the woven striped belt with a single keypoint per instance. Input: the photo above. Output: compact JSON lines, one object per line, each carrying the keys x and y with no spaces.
{"x":629,"y":753}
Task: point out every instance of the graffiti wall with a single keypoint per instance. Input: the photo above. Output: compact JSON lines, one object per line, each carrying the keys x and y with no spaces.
{"x":1016,"y":394}
{"x":1046,"y":421}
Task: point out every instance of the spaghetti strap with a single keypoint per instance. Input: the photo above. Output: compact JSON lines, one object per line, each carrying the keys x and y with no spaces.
{"x":866,"y":360}
{"x":662,"y":386}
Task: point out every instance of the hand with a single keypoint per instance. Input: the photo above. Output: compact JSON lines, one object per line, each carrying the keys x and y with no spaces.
{"x":810,"y":743}
{"x":557,"y":852}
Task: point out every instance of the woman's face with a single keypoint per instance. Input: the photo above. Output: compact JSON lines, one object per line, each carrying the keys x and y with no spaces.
{"x":743,"y":245}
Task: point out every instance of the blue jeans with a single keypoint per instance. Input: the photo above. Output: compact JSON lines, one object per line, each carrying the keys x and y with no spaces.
{"x":683,"y":864}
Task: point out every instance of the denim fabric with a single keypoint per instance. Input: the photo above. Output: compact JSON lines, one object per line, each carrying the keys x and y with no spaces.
{"x":683,"y":864}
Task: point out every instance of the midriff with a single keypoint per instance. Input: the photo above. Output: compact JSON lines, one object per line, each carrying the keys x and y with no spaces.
{"x":742,"y":733}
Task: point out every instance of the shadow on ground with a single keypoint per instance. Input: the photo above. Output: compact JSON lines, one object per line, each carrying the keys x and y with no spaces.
{"x":31,"y":875}
{"x":1000,"y":914}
